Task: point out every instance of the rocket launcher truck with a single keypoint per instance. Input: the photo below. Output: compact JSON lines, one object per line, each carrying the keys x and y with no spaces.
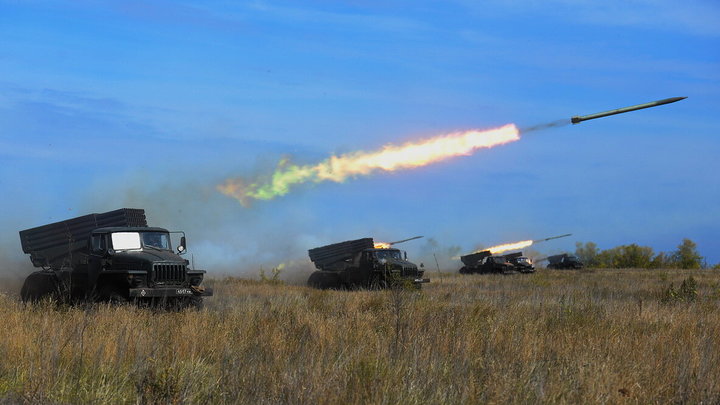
{"x":485,"y":263}
{"x":110,"y":257}
{"x":563,"y":261}
{"x":362,"y":263}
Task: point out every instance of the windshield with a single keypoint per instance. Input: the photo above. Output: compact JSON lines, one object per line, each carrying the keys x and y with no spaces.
{"x":138,"y":240}
{"x":160,"y":240}
{"x":388,"y":254}
{"x":125,"y":240}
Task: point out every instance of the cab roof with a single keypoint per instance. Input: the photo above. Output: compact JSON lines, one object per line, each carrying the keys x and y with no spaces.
{"x":129,"y":229}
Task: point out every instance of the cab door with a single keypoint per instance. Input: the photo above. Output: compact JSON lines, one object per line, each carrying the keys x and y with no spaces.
{"x":356,"y":275}
{"x":96,"y":259}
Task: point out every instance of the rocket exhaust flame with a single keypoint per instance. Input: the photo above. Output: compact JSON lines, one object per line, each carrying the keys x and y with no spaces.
{"x":518,"y":245}
{"x":509,"y":246}
{"x":388,"y":159}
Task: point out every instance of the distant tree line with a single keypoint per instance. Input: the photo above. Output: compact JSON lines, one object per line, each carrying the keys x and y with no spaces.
{"x":685,"y":256}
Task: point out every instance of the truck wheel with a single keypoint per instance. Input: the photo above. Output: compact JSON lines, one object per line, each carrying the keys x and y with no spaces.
{"x":40,"y":285}
{"x":378,"y":283}
{"x":112,"y":296}
{"x":197,"y":303}
{"x":192,"y":303}
{"x":324,"y":280}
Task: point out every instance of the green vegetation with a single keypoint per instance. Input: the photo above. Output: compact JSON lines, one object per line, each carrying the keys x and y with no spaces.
{"x":554,"y":337}
{"x":274,"y":278}
{"x":686,"y":293}
{"x":634,"y":256}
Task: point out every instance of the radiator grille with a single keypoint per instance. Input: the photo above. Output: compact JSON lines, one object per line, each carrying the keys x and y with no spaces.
{"x":168,"y":273}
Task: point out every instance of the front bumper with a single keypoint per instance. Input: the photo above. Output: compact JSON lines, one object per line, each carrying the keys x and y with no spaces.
{"x":421,"y":280}
{"x":170,"y":292}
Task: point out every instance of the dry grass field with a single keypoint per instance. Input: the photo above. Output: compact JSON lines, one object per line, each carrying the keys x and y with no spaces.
{"x":594,"y":336}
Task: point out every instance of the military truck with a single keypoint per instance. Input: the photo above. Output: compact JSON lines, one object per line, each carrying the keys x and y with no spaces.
{"x":521,"y":263}
{"x":362,"y":263}
{"x":485,"y":263}
{"x":110,"y":257}
{"x":564,"y":261}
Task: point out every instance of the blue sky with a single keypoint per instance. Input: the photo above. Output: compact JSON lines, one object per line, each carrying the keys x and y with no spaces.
{"x":152,"y":104}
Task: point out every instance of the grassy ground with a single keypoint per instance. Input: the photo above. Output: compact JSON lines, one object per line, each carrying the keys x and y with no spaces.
{"x":553,"y":337}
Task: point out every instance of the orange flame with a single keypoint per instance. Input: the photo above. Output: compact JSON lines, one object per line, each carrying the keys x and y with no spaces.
{"x":381,"y":245}
{"x":389,"y":158}
{"x":509,"y":246}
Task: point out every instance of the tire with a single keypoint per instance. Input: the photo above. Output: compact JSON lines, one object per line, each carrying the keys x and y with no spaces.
{"x":377,"y":283}
{"x":112,"y":296}
{"x":196,"y":303}
{"x":324,"y":280}
{"x":40,"y":285}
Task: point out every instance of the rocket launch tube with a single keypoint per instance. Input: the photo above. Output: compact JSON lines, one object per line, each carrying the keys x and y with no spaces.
{"x":579,"y":119}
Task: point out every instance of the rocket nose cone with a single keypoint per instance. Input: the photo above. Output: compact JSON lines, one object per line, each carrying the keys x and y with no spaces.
{"x":674,"y":99}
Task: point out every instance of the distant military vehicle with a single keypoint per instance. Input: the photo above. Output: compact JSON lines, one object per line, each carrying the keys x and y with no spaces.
{"x":362,"y":263}
{"x":485,"y":263}
{"x":111,"y":257}
{"x":521,"y":263}
{"x":564,"y":261}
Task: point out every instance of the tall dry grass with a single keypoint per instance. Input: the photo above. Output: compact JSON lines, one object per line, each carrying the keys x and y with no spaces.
{"x":553,"y":337}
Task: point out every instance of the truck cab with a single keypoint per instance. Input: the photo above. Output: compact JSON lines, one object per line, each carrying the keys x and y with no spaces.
{"x":140,"y":262}
{"x":520,"y":262}
{"x":390,"y":265}
{"x":496,"y":264}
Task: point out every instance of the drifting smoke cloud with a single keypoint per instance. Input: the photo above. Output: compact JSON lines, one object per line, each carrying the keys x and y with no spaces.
{"x":221,"y":238}
{"x":14,"y":265}
{"x":433,"y":250}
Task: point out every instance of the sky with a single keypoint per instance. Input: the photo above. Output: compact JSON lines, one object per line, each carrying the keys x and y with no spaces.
{"x":152,"y":105}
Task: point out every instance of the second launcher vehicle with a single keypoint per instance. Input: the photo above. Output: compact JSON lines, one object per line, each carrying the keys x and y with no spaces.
{"x":362,"y":263}
{"x":485,"y":263}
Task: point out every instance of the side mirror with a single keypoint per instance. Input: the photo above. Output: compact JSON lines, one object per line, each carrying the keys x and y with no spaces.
{"x":422,"y":265}
{"x":405,"y":255}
